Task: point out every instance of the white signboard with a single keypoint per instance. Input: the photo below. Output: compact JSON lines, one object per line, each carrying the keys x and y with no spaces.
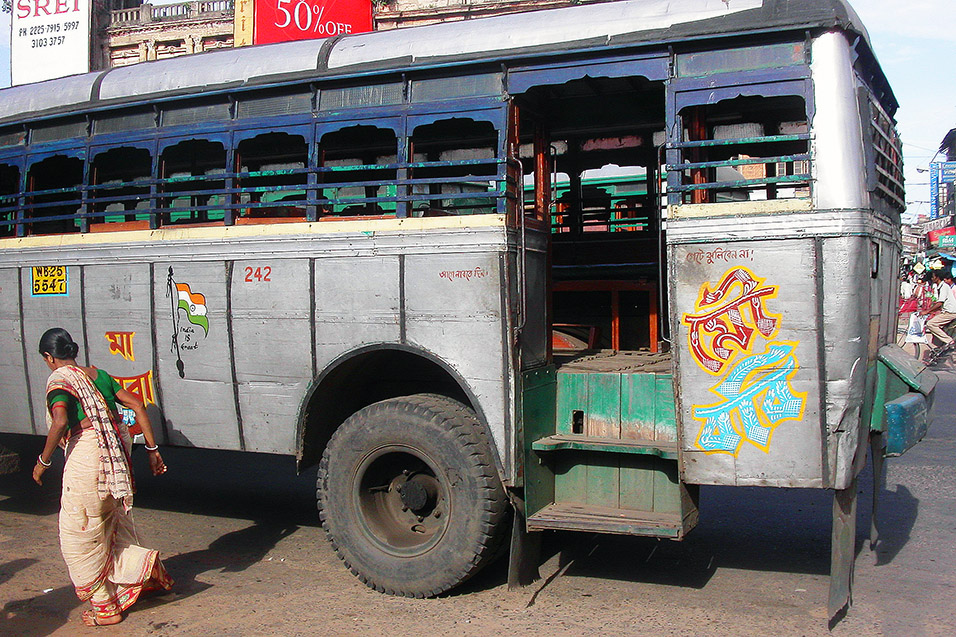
{"x":50,"y":38}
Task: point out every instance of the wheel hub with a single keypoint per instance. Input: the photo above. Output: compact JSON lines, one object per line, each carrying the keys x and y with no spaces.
{"x":401,"y":501}
{"x":414,"y":495}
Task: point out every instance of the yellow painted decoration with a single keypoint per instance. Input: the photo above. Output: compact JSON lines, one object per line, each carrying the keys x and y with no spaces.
{"x":727,"y":318}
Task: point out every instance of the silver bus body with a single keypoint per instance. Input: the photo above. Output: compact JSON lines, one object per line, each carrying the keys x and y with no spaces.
{"x":290,"y":247}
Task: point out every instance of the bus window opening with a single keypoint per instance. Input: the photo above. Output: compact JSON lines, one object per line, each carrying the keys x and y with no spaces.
{"x":54,"y":195}
{"x":357,"y":172}
{"x":193,"y":172}
{"x":272,"y":177}
{"x":9,"y":188}
{"x":744,"y":149}
{"x":455,"y":168}
{"x":121,"y":190}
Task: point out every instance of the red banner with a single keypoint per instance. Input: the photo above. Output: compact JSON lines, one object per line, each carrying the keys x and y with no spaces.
{"x":285,"y":20}
{"x":934,"y":235}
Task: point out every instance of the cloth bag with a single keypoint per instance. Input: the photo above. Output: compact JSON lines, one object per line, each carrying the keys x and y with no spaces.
{"x":916,"y":332}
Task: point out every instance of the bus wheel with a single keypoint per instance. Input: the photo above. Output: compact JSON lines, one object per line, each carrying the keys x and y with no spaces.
{"x":409,"y":496}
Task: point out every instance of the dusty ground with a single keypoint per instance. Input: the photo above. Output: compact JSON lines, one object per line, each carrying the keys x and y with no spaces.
{"x":239,"y":534}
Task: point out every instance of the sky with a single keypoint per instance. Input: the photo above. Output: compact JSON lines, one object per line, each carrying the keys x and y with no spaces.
{"x":915,"y":43}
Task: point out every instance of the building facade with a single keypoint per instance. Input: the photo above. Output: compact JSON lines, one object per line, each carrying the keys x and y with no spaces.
{"x":392,"y":14}
{"x":131,"y":31}
{"x":154,"y":32}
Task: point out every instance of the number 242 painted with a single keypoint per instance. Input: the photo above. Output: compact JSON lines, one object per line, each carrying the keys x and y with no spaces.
{"x":258,"y":275}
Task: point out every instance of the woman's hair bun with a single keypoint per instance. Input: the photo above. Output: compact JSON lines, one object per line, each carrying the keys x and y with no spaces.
{"x":58,"y":343}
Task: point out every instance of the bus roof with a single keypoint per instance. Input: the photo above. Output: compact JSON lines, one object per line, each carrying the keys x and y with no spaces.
{"x":512,"y":36}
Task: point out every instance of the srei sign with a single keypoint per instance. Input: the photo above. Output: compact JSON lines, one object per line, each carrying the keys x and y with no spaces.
{"x":49,"y":38}
{"x":284,"y":20}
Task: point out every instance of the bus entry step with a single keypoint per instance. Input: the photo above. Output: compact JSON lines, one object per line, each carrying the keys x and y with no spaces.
{"x":577,"y":442}
{"x":584,"y":517}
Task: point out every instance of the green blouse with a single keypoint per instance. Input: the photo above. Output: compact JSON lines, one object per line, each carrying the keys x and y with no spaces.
{"x":106,"y":385}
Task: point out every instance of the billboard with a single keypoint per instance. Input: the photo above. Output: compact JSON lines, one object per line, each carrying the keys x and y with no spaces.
{"x":284,"y":20}
{"x":935,"y":236}
{"x":941,"y":173}
{"x":947,"y":241}
{"x":49,"y":38}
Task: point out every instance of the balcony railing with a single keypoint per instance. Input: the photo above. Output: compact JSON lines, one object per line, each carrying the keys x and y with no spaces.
{"x":147,"y":13}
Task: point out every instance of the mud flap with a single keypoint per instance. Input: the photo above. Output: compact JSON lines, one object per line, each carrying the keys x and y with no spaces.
{"x":525,"y":552}
{"x":842,"y":552}
{"x":877,"y":449}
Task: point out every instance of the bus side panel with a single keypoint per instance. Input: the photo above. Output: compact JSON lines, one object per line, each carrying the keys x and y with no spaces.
{"x":453,"y":309}
{"x":40,"y":313}
{"x":852,"y":332}
{"x":190,"y":306}
{"x":119,"y":326}
{"x":357,"y":302}
{"x":535,"y":335}
{"x":15,"y":416}
{"x":272,"y":341}
{"x":746,"y":333}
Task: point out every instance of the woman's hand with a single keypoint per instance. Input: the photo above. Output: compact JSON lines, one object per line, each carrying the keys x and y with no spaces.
{"x":38,"y":470}
{"x":156,"y":463}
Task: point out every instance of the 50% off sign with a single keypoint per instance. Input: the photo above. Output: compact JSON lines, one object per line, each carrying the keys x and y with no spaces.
{"x":284,"y":20}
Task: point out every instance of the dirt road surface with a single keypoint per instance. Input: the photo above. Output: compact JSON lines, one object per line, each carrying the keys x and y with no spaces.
{"x":239,"y":533}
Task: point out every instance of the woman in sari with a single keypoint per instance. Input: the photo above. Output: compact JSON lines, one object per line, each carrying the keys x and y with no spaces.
{"x":97,"y":538}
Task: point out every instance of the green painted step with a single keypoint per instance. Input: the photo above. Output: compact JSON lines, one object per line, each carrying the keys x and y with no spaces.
{"x":559,"y":442}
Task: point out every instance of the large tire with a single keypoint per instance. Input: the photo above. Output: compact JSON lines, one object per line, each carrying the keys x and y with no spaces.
{"x":409,"y":496}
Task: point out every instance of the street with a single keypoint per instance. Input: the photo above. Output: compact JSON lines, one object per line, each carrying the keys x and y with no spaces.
{"x":239,"y":534}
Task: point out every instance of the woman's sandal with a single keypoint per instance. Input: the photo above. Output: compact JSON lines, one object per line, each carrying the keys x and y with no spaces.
{"x":90,"y":618}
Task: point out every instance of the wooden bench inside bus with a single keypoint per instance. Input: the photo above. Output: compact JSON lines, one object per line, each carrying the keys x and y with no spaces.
{"x":615,"y":287}
{"x":119,"y":226}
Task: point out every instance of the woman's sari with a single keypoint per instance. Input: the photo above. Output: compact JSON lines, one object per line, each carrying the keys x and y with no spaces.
{"x":97,"y":538}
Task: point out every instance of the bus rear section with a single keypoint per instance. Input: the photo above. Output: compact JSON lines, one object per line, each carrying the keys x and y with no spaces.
{"x":724,"y":240}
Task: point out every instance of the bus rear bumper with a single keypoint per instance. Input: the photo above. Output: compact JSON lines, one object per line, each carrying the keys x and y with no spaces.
{"x":907,"y":421}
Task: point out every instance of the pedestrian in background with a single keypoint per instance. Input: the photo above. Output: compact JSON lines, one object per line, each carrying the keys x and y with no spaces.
{"x":945,"y":311}
{"x":97,"y":538}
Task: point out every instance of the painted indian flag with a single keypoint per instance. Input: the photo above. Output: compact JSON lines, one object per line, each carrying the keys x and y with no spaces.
{"x":194,"y":305}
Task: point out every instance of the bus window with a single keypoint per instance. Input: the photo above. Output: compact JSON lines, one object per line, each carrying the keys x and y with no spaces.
{"x":124,"y":120}
{"x":58,"y":129}
{"x":53,"y":188}
{"x":454,"y":168}
{"x":12,"y":136}
{"x":272,"y":176}
{"x":611,"y":198}
{"x":9,"y":187}
{"x":745,"y":149}
{"x":196,"y":112}
{"x":274,"y":104}
{"x":885,"y":167}
{"x":120,"y":180}
{"x":357,"y":171}
{"x":193,"y":174}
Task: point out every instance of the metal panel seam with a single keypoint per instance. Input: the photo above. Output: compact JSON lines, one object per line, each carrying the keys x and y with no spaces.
{"x":312,"y":309}
{"x":230,"y":265}
{"x":157,"y":379}
{"x":83,"y":321}
{"x":23,"y":347}
{"x":506,"y":460}
{"x":402,"y":318}
{"x":821,"y":363}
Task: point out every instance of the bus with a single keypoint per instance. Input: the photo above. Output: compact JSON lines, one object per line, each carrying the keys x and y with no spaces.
{"x":548,"y":270}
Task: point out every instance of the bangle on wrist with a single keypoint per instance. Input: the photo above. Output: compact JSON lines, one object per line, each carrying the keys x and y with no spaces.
{"x":45,"y":464}
{"x":153,"y":448}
